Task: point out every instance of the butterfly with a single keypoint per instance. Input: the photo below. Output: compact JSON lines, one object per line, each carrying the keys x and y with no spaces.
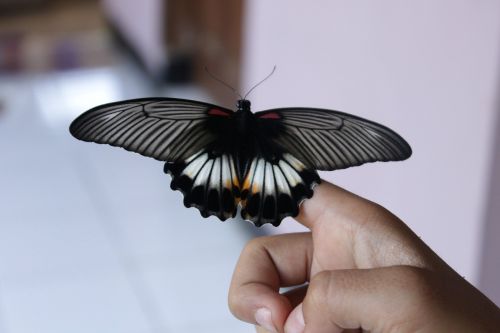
{"x":220,"y":159}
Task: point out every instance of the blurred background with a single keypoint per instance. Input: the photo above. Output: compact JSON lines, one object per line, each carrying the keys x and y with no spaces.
{"x":92,"y":239}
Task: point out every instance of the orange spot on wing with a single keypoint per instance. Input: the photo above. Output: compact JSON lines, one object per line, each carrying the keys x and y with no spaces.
{"x":246,"y":183}
{"x":236,"y":182}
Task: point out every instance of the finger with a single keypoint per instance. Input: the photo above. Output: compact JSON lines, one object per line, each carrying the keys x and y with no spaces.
{"x":375,"y":300}
{"x":360,"y":233}
{"x":295,"y":322}
{"x":335,"y":215}
{"x":329,"y":199}
{"x":259,"y":329}
{"x":295,"y":297}
{"x":265,"y":265}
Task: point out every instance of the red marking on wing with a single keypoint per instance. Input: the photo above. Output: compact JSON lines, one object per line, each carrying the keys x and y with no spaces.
{"x":218,"y":112}
{"x":270,"y":115}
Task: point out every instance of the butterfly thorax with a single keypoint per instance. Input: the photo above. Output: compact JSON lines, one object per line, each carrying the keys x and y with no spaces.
{"x":243,"y":105}
{"x":243,"y":116}
{"x":244,"y":140}
{"x":251,"y":140}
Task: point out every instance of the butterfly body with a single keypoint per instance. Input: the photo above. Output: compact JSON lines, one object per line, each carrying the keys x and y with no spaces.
{"x":243,"y":136}
{"x":220,"y":159}
{"x":245,"y":141}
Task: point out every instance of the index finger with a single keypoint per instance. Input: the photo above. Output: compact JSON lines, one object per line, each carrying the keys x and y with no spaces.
{"x":329,"y":199}
{"x":361,"y":233}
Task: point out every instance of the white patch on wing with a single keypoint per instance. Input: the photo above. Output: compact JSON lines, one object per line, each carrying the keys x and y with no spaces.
{"x":192,"y":157}
{"x":258,"y":177}
{"x":215,"y":175}
{"x":195,"y":165}
{"x":233,"y":171}
{"x":290,"y":174}
{"x":226,"y":171}
{"x":223,"y":163}
{"x":281,"y":181}
{"x":277,"y":178}
{"x":250,"y":175}
{"x":295,"y":163}
{"x":201,"y":179}
{"x":269,"y":180}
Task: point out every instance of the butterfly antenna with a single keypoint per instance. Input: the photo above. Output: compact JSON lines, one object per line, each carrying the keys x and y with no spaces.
{"x":224,"y":83}
{"x":258,"y":84}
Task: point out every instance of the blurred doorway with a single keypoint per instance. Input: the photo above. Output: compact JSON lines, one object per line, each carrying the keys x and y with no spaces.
{"x":207,"y":34}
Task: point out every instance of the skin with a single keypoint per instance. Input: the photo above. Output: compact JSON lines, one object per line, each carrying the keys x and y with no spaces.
{"x":365,"y":271}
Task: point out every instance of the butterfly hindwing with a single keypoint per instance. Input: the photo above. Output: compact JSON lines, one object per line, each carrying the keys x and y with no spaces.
{"x":208,"y":182}
{"x":274,"y":189}
{"x":167,"y":129}
{"x":331,"y":140}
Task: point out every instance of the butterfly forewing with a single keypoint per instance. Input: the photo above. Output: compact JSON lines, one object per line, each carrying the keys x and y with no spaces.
{"x":166,"y":129}
{"x":330,"y":140}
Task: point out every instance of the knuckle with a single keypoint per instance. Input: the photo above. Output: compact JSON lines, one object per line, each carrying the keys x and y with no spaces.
{"x":235,"y":309}
{"x":412,"y":276}
{"x":232,"y":300}
{"x":257,"y":244}
{"x":417,"y":294}
{"x":380,"y":213}
{"x":318,"y":289}
{"x":237,"y":302}
{"x":417,"y":283}
{"x":327,"y":290}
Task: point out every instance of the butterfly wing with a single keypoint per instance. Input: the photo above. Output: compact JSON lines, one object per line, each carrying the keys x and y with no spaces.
{"x":330,"y":140}
{"x":166,"y":129}
{"x":191,"y":136}
{"x":274,"y":189}
{"x":208,"y":182}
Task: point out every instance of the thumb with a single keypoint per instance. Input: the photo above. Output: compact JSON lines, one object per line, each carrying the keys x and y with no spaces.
{"x":380,"y":300}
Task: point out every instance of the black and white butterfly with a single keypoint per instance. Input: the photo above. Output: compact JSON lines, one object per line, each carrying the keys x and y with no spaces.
{"x":220,"y":159}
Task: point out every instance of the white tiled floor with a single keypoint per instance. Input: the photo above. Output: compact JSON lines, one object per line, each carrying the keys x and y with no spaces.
{"x":92,"y":239}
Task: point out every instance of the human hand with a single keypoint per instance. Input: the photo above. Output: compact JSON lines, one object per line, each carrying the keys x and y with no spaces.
{"x":365,"y":269}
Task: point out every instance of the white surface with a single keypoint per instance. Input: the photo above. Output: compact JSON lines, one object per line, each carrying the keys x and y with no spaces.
{"x":427,"y":69}
{"x":92,"y":239}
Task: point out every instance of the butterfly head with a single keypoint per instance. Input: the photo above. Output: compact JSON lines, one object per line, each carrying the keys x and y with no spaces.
{"x":243,"y":105}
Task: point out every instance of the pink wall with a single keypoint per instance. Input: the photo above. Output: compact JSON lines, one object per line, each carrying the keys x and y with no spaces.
{"x":427,"y":69}
{"x":490,"y":267}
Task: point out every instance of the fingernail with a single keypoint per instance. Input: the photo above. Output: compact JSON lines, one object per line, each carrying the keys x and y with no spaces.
{"x":264,"y":318}
{"x":295,"y":322}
